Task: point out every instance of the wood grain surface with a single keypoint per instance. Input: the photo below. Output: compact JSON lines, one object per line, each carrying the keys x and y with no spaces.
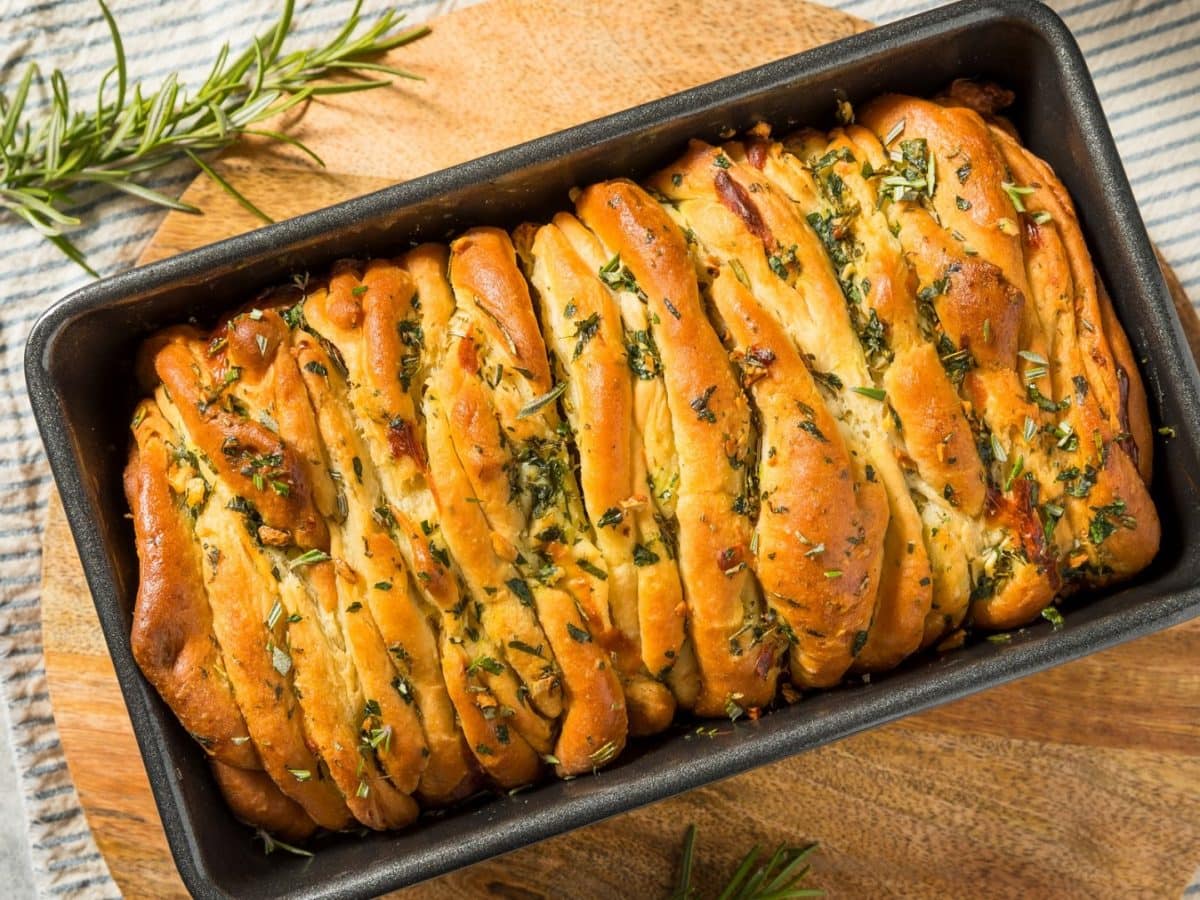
{"x":1080,"y":782}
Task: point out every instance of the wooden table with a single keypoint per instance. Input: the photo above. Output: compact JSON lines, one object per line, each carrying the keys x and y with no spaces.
{"x":1082,"y":781}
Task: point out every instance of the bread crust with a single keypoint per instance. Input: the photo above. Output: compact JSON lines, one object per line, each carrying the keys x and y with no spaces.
{"x":711,"y":422}
{"x":583,"y":327}
{"x":366,"y":315}
{"x":262,"y":683}
{"x":742,"y":222}
{"x":984,"y":311}
{"x":255,"y":800}
{"x":654,"y":465}
{"x":172,"y":635}
{"x":507,"y":433}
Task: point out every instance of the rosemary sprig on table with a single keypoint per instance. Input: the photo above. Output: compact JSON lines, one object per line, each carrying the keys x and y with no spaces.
{"x":778,"y":878}
{"x":131,"y":132}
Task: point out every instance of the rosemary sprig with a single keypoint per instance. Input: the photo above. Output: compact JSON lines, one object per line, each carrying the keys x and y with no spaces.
{"x":272,"y":843}
{"x":776,"y":879}
{"x":131,"y":132}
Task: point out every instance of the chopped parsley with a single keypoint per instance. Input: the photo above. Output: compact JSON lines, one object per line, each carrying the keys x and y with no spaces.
{"x":1053,"y":616}
{"x":700,"y":405}
{"x":584,"y":332}
{"x":872,"y":392}
{"x":860,"y":641}
{"x":487,"y":664}
{"x":521,"y":589}
{"x":642,"y":353}
{"x":592,"y":569}
{"x":643,"y":556}
{"x":612,"y":517}
{"x":309,"y":558}
{"x":1107,"y":519}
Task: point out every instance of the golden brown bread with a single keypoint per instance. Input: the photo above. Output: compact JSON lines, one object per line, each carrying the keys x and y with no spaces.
{"x":506,"y":431}
{"x":932,"y":438}
{"x":365,"y":413}
{"x":172,"y":635}
{"x":427,"y":524}
{"x":255,"y":799}
{"x":583,"y":327}
{"x":735,"y":649}
{"x":1073,"y":493}
{"x":261,"y":678}
{"x":654,"y":466}
{"x":745,"y":225}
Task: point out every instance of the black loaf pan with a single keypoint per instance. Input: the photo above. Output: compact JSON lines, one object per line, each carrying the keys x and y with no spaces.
{"x":79,"y":360}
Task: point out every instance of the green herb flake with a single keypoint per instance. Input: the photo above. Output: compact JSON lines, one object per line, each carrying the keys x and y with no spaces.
{"x":543,"y":401}
{"x":700,"y":405}
{"x":603,"y":754}
{"x":1107,"y":519}
{"x":309,"y":558}
{"x":1015,"y":193}
{"x":611,"y":518}
{"x":642,"y":556}
{"x":525,"y":648}
{"x":1017,"y":467}
{"x":487,"y":664}
{"x":592,"y":569}
{"x":585,"y":330}
{"x":860,"y":641}
{"x":521,"y":589}
{"x":733,"y":709}
{"x":642,"y":353}
{"x":1054,"y":617}
{"x":872,"y":392}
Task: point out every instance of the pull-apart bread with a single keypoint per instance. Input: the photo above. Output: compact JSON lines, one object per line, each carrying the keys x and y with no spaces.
{"x":795,"y":407}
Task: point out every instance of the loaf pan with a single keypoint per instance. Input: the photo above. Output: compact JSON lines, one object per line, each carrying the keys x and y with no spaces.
{"x":79,"y":370}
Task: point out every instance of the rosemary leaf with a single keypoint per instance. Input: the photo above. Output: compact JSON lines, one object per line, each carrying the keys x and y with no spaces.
{"x":133,"y":130}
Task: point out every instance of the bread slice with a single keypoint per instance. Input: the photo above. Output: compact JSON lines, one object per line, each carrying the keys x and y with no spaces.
{"x":741,"y":221}
{"x":736,"y":650}
{"x":502,"y":422}
{"x":582,"y":323}
{"x":172,"y":636}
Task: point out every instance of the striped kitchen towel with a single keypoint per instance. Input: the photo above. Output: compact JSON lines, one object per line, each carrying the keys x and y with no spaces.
{"x":1144,"y":54}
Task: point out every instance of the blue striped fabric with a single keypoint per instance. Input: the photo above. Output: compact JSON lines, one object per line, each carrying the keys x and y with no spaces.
{"x":1145,"y":57}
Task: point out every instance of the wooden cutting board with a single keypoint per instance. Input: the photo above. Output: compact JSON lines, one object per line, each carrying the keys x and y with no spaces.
{"x":1083,"y":781}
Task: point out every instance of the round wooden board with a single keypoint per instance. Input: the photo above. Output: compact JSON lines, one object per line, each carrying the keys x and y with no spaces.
{"x":1082,"y":781}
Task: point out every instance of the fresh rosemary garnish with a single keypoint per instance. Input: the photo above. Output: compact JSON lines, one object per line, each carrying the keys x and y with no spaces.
{"x":309,"y":558}
{"x":778,"y":877}
{"x":133,"y":131}
{"x":271,"y":844}
{"x":544,"y":400}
